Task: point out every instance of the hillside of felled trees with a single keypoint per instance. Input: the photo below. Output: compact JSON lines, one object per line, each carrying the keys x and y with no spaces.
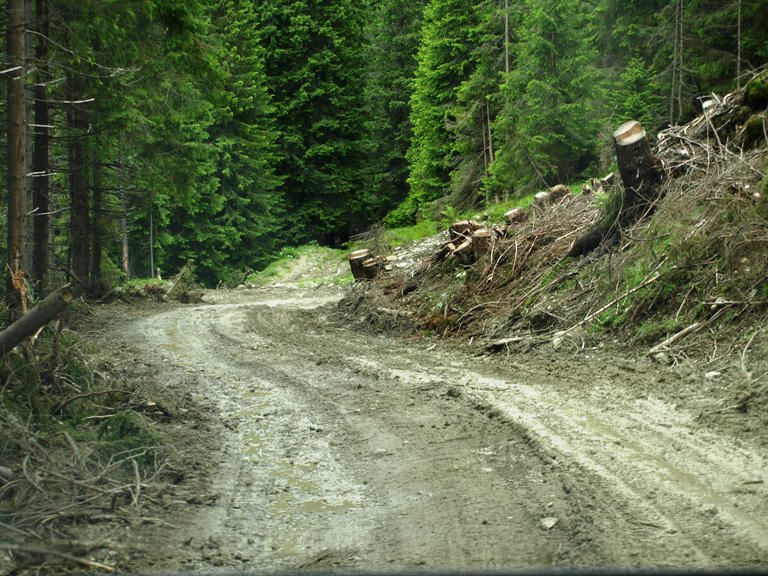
{"x":143,"y":134}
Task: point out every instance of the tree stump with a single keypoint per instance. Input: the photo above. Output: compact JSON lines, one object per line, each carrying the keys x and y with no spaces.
{"x":356,"y":260}
{"x":514,"y":215}
{"x":640,"y":171}
{"x":464,"y":252}
{"x":371,"y":268}
{"x":642,"y":175}
{"x":541,"y":199}
{"x":482,"y":240}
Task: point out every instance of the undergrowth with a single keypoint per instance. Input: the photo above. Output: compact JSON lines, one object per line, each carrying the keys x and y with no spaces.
{"x":74,"y":445}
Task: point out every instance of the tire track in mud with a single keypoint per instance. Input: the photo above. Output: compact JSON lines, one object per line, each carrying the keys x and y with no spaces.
{"x":360,"y":451}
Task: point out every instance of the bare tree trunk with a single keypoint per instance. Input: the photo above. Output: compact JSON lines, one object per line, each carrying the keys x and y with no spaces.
{"x":738,"y":47}
{"x":15,"y":104}
{"x":152,"y":241}
{"x":97,"y":229}
{"x":40,"y":161}
{"x":28,"y":205}
{"x":124,"y":235}
{"x":676,"y":83}
{"x":506,"y":36}
{"x":78,"y":183}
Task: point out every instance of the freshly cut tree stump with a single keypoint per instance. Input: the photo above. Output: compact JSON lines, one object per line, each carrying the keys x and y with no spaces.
{"x":514,"y":215}
{"x":356,"y":260}
{"x":35,"y":319}
{"x":371,"y":268}
{"x":640,"y":171}
{"x":642,"y":175}
{"x":482,"y":240}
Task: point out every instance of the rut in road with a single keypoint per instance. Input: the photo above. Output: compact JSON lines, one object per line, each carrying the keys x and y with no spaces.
{"x":353,"y":450}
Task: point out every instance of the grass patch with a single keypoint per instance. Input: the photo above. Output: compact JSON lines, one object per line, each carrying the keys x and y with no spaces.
{"x":307,"y":266}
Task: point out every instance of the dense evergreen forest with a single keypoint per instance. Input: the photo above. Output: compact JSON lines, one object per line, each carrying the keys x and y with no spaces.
{"x":143,"y":134}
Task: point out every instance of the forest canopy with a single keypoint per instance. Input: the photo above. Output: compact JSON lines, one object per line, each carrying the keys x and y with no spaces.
{"x":145,"y":134}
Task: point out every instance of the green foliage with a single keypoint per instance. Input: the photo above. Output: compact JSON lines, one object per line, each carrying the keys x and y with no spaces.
{"x":314,"y":59}
{"x":395,"y":30}
{"x":445,"y":60}
{"x":554,"y":90}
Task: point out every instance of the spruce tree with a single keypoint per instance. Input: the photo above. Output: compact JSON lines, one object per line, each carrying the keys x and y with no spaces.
{"x":444,"y":62}
{"x":314,"y":54}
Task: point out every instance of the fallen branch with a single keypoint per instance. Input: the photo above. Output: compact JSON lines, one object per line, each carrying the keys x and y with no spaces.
{"x":695,"y":327}
{"x":39,"y":316}
{"x":599,"y":311}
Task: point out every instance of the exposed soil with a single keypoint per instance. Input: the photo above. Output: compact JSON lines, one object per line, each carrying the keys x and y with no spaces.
{"x":299,"y":443}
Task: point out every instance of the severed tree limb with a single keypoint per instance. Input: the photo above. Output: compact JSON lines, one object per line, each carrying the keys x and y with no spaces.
{"x":39,"y":316}
{"x":695,"y":327}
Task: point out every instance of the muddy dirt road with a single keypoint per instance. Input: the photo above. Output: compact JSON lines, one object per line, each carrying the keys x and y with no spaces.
{"x":320,"y":447}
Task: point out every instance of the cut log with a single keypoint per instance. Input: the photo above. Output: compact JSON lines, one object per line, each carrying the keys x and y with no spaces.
{"x":461,"y":230}
{"x":356,"y":260}
{"x":482,"y":240}
{"x":32,"y":321}
{"x":558,"y":193}
{"x":464,"y":252}
{"x":514,"y":215}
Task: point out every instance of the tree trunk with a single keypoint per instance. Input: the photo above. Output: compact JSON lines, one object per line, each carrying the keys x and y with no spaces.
{"x":124,"y":235}
{"x":15,"y":109}
{"x":97,"y":228}
{"x":356,"y":260}
{"x":642,"y":175}
{"x":28,"y":225}
{"x":40,"y":161}
{"x":38,"y":317}
{"x":641,"y":172}
{"x":78,"y":183}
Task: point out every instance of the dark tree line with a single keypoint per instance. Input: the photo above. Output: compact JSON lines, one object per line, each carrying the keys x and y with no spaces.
{"x":146,"y":133}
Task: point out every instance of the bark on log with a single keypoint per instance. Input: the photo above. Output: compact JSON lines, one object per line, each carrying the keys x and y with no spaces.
{"x":464,"y":252}
{"x":35,"y":319}
{"x":461,"y":230}
{"x":642,"y":175}
{"x":371,"y":268}
{"x":482,"y":239}
{"x":356,"y":260}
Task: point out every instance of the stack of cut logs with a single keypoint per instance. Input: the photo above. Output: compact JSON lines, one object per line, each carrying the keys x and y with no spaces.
{"x":469,"y":241}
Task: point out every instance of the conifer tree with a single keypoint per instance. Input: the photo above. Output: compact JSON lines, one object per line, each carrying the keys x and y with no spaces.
{"x":395,"y":32}
{"x":314,"y":58}
{"x":444,"y":62}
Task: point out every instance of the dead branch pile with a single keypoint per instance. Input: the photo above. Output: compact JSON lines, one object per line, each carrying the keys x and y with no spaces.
{"x":700,"y":260}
